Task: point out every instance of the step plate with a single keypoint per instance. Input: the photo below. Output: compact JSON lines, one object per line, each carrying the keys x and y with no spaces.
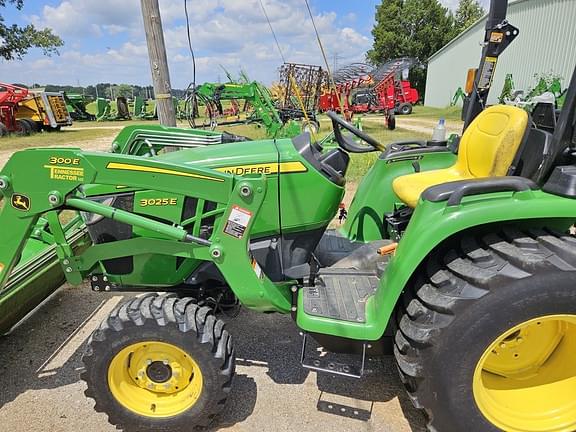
{"x":340,"y":294}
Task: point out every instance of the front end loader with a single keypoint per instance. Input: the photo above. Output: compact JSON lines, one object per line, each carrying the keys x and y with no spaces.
{"x":259,"y":107}
{"x":460,"y":259}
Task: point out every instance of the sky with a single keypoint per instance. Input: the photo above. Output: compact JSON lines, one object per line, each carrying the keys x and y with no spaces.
{"x":105,"y":42}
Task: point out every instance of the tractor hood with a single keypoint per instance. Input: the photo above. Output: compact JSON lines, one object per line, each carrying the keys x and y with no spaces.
{"x":296,"y":168}
{"x":240,"y":158}
{"x":304,"y":190}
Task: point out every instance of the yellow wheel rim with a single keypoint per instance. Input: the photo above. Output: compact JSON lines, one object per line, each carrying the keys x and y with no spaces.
{"x":155,"y":379}
{"x":526,"y":380}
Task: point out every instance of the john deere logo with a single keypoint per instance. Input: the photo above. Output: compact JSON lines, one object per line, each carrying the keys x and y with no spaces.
{"x":20,"y":202}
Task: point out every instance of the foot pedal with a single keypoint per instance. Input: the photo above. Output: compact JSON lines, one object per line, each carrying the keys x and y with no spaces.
{"x":330,"y":366}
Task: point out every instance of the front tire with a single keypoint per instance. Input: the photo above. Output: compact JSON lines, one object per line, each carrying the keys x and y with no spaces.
{"x":391,"y":121}
{"x":34,"y":127}
{"x":159,"y":363}
{"x":486,"y":341}
{"x":3,"y":130}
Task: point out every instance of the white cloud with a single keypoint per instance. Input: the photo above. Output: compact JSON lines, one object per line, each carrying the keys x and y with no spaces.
{"x":74,"y":18}
{"x":42,"y":63}
{"x":105,"y":40}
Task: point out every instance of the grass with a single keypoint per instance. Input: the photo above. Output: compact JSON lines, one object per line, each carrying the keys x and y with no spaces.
{"x":44,"y":139}
{"x":108,"y":124}
{"x":361,"y":162}
{"x":449,"y":113}
{"x":248,"y":130}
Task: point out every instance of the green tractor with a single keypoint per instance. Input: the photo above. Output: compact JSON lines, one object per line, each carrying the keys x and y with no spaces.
{"x":462,"y":261}
{"x":259,"y":108}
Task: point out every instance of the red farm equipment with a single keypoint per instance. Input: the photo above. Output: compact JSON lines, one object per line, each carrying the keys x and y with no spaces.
{"x":361,"y":88}
{"x":10,"y":96}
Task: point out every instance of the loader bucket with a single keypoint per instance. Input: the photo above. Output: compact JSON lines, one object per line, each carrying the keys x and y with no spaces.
{"x":37,"y":273}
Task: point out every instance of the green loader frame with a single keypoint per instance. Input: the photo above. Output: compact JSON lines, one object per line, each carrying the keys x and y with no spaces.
{"x":458,"y":260}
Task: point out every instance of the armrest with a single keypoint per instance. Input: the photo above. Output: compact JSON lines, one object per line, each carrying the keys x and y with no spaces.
{"x":453,"y":192}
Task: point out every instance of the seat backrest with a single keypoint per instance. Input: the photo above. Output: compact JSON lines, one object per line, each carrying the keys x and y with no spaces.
{"x":531,"y":155}
{"x":489,"y":144}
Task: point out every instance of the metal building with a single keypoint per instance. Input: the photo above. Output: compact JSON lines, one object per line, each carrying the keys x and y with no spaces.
{"x":546,"y":44}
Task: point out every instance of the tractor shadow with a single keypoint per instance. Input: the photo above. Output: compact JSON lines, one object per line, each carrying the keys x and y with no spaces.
{"x":273,"y":342}
{"x":44,"y":352}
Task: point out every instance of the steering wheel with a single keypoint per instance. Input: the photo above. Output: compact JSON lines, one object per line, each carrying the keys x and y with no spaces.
{"x":346,"y":142}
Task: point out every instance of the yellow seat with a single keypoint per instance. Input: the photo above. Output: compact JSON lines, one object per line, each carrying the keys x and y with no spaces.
{"x":487,"y":149}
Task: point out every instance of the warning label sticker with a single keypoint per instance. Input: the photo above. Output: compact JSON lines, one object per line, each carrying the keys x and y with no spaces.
{"x":1,"y":267}
{"x":496,"y":37}
{"x":237,"y":222}
{"x":487,"y":73}
{"x":257,"y":268}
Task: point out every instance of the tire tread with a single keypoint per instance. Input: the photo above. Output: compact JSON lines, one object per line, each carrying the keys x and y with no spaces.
{"x":166,"y":310}
{"x":470,"y":268}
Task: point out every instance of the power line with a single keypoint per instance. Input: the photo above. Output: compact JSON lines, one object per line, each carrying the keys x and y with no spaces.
{"x":330,"y":76}
{"x":190,"y":43}
{"x":272,"y":30}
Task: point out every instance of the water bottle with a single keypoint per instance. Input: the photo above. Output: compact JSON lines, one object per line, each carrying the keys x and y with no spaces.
{"x":439,"y":133}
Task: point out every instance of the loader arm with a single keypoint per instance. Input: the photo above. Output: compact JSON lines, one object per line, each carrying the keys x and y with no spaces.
{"x":264,"y":109}
{"x":42,"y":182}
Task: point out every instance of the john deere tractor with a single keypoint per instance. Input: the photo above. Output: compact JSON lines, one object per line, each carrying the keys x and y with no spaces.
{"x":460,"y":257}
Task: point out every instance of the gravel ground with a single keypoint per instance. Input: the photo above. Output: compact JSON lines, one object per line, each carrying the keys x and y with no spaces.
{"x":40,"y":361}
{"x":99,"y":144}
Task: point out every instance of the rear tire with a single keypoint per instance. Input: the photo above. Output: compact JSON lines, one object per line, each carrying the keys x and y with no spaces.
{"x":172,"y":346}
{"x":405,"y":109}
{"x":3,"y":130}
{"x":23,"y":128}
{"x":469,"y":297}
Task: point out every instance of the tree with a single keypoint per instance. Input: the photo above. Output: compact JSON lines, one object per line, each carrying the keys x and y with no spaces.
{"x":90,"y":91}
{"x":468,"y":12}
{"x":124,"y":90}
{"x":110,"y":91}
{"x":15,"y":41}
{"x":414,"y":28}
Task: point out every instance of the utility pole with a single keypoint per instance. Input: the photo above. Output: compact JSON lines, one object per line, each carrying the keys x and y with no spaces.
{"x":158,"y":62}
